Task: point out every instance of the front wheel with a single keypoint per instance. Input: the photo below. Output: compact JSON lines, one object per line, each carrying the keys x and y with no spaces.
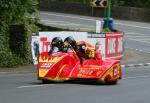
{"x":44,"y":81}
{"x":111,"y":82}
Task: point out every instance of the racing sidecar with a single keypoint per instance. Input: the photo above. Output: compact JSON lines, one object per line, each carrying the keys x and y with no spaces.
{"x":66,"y":66}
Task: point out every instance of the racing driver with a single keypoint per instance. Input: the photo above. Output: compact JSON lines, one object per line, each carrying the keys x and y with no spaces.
{"x":56,"y":45}
{"x":82,"y":50}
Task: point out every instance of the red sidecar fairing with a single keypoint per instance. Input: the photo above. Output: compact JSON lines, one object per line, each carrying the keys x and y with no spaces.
{"x":65,"y":66}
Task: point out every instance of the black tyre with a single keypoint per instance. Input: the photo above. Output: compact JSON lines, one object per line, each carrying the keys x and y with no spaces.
{"x":44,"y":81}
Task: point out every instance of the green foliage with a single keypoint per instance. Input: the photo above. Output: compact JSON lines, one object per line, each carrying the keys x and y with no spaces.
{"x":128,"y":3}
{"x":132,"y":3}
{"x":16,"y":12}
{"x":105,"y":30}
{"x":72,"y":1}
{"x":10,"y":60}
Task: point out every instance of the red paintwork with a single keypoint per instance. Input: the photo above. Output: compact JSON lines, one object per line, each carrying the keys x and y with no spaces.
{"x":67,"y":65}
{"x":73,"y":69}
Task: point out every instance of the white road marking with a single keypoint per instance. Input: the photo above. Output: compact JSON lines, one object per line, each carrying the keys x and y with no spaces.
{"x":143,"y":27}
{"x":59,"y":22}
{"x":138,"y":50}
{"x":146,"y":76}
{"x":11,"y":74}
{"x":147,"y":38}
{"x":3,"y":72}
{"x":139,"y":37}
{"x":140,"y":40}
{"x":67,"y":16}
{"x":82,"y":18}
{"x":31,"y":86}
{"x":133,"y":33}
{"x":54,"y":21}
{"x":64,"y":23}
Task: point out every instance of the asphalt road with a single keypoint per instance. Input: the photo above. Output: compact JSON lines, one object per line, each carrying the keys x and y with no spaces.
{"x":136,"y":34}
{"x":24,"y":88}
{"x":133,"y":88}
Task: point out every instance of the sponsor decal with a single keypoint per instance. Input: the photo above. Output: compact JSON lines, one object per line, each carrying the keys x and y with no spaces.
{"x":45,"y":44}
{"x":111,"y":44}
{"x":120,"y":44}
{"x":114,"y":45}
{"x":87,"y":72}
{"x":45,"y":65}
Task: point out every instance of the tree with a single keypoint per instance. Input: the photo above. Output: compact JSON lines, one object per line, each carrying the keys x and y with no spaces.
{"x":16,"y":12}
{"x":132,"y":3}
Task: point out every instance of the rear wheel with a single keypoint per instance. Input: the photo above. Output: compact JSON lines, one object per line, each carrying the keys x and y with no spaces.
{"x":109,"y":81}
{"x":44,"y":81}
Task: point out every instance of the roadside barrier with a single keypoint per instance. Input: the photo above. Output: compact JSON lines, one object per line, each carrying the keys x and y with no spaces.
{"x":111,"y":44}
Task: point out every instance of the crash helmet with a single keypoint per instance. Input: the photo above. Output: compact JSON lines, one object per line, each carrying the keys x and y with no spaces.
{"x":57,"y":42}
{"x":71,"y":41}
{"x":81,"y":48}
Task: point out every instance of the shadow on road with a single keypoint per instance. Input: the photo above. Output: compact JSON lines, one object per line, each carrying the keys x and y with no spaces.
{"x":77,"y":82}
